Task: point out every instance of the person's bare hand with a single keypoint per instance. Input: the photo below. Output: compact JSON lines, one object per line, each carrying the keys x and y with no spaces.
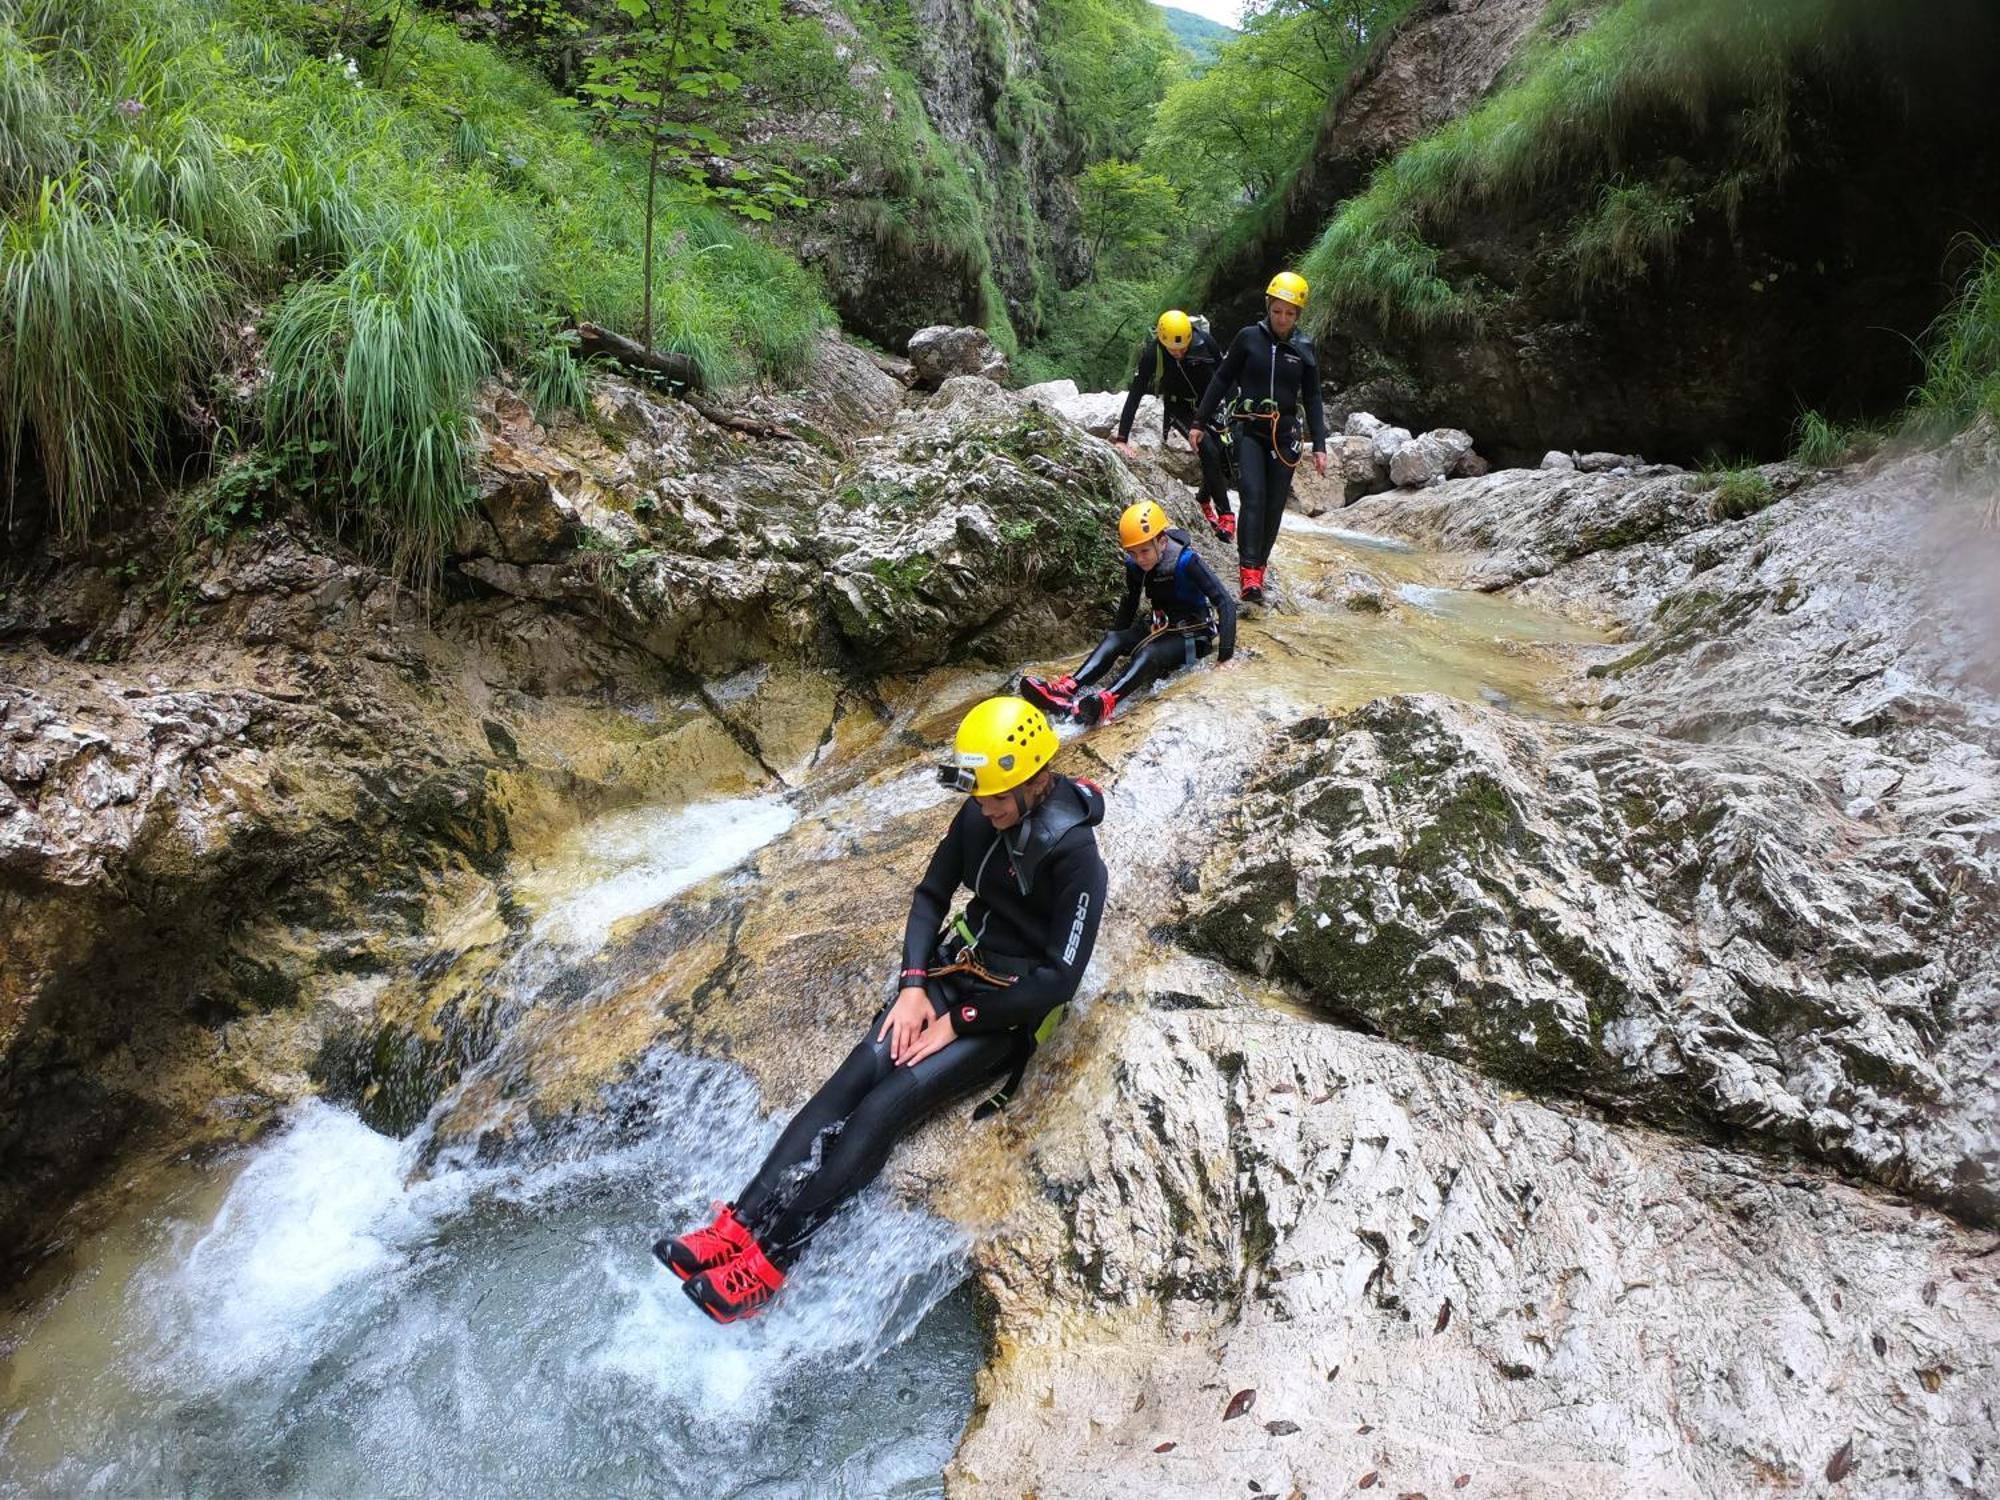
{"x":1319,"y":464}
{"x":905,"y":1021}
{"x":1194,"y":437}
{"x":938,"y":1034}
{"x":1123,"y":447}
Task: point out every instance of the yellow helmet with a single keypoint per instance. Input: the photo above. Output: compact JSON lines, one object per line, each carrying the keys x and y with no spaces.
{"x":1141,"y":523}
{"x":1001,"y":743}
{"x":1176,"y":330}
{"x":1288,"y":286}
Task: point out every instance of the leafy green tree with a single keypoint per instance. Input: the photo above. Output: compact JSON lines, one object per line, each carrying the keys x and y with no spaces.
{"x":652,"y":81}
{"x":1234,"y":133}
{"x":1126,"y":207}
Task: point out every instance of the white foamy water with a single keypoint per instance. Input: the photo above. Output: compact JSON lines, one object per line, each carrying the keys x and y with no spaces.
{"x":330,"y":1324}
{"x":334,"y":1330}
{"x":632,"y":861}
{"x":1368,"y":539}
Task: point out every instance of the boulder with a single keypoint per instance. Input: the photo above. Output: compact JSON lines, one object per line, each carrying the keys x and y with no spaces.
{"x":940,"y":352}
{"x":1604,"y":463}
{"x":1388,"y":441}
{"x":1471,"y":466}
{"x":1563,"y":462}
{"x":1423,"y":461}
{"x":1362,"y":424}
{"x":1361,"y":468}
{"x":1314,"y":496}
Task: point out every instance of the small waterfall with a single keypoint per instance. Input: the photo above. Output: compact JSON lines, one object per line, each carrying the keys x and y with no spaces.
{"x":344,"y":1323}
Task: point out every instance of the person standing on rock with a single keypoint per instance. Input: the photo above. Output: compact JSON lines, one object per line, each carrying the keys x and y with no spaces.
{"x":1178,"y":362}
{"x":978,"y":991}
{"x":1191,"y":613}
{"x":1271,"y":368}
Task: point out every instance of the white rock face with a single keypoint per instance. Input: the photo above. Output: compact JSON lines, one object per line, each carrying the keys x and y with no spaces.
{"x":940,"y":352}
{"x":1418,"y":1276}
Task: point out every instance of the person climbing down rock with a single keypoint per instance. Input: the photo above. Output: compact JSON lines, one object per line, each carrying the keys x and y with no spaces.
{"x":1178,"y":362}
{"x":977,"y":993}
{"x":1191,"y":613}
{"x":1270,"y":369}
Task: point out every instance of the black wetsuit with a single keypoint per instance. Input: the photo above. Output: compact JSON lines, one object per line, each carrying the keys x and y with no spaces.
{"x":1261,"y":374}
{"x":1037,"y":897}
{"x":1180,"y":383}
{"x":1191,"y":610}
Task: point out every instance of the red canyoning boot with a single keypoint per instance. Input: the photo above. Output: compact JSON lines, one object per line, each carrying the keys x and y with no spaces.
{"x":700,"y":1249}
{"x":1252,"y":586}
{"x":1225,"y":526}
{"x":1057,"y":696}
{"x":738,"y":1288}
{"x":1095,"y":708}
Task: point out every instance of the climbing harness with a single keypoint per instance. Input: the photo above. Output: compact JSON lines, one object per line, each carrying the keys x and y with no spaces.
{"x":1262,"y":412}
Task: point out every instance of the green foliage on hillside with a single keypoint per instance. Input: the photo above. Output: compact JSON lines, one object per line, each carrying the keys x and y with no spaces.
{"x":1199,"y":37}
{"x":1227,"y":140}
{"x":1574,"y":113}
{"x":406,"y":219}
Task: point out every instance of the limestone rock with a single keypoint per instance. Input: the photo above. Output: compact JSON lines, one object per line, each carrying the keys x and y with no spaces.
{"x":1471,"y":466}
{"x":1424,"y":461}
{"x":1362,"y":424}
{"x":1389,"y":442}
{"x":1422,"y":1276}
{"x":1360,"y":466}
{"x":940,"y":352}
{"x":1604,"y":463}
{"x":1559,"y":461}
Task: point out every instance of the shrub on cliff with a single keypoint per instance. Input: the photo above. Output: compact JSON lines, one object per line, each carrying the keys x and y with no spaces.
{"x":405,"y":222}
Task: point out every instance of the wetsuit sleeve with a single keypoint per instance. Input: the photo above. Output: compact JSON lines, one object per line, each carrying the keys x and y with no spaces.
{"x":1225,"y":378}
{"x":1078,"y":907}
{"x":1140,"y":384}
{"x":1128,"y":607}
{"x":932,"y":901}
{"x":1315,"y":406}
{"x":1225,"y":609}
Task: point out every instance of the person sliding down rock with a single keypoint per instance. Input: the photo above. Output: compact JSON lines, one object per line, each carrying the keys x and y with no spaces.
{"x":977,"y":993}
{"x":1178,"y":362}
{"x":1270,"y":369}
{"x":1191,"y":612}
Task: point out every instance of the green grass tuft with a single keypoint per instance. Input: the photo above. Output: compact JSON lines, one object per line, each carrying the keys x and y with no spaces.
{"x":105,"y":326}
{"x":1962,"y":358}
{"x":375,"y":368}
{"x":1740,"y":493}
{"x":1821,"y":443}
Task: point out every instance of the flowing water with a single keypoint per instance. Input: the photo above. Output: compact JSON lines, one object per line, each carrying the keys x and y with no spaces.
{"x":333,"y":1312}
{"x":313,"y":1318}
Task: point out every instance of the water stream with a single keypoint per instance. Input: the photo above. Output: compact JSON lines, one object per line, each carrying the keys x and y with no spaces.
{"x":333,"y":1312}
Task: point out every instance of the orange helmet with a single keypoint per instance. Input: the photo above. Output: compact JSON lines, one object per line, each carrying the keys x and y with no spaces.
{"x":1141,"y":523}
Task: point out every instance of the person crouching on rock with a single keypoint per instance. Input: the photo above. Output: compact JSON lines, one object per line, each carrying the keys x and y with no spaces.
{"x":977,"y":992}
{"x":1270,"y":369}
{"x":1191,"y":612}
{"x":1178,"y":362}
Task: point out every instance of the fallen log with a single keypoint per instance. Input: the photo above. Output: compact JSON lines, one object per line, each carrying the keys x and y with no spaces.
{"x":593,"y":341}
